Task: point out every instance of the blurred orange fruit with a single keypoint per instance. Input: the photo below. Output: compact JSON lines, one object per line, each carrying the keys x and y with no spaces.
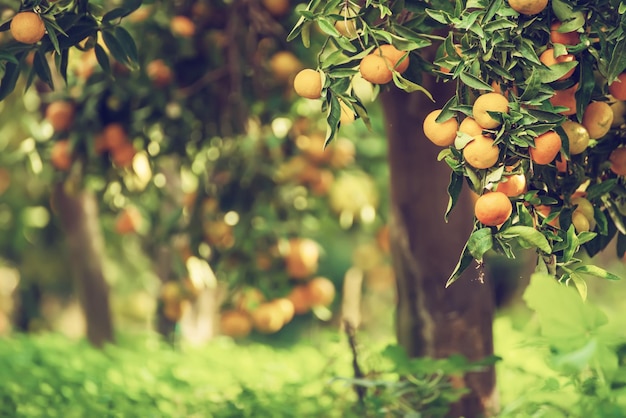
{"x":60,"y":115}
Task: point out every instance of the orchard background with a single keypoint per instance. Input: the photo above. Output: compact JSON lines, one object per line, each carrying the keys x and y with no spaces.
{"x":340,"y":208}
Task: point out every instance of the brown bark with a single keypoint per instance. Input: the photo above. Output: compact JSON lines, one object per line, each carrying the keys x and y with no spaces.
{"x":432,"y":320}
{"x":78,"y":213}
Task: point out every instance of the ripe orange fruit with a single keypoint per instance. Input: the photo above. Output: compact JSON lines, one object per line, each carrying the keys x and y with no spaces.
{"x":61,"y":155}
{"x":618,"y":161}
{"x":481,"y":153}
{"x":267,"y":318}
{"x":299,"y":296}
{"x":60,"y":115}
{"x":471,"y":127}
{"x":302,"y":258}
{"x":235,"y":324}
{"x":441,"y":134}
{"x":577,"y":135}
{"x":513,"y":185}
{"x":489,"y":102}
{"x":548,"y":59}
{"x":493,"y":208}
{"x":276,"y":8}
{"x":284,"y":65}
{"x":565,"y":98}
{"x":124,"y":155}
{"x":394,"y":55}
{"x":597,"y":119}
{"x":618,"y":87}
{"x":128,"y":221}
{"x":547,"y":146}
{"x":286,"y":307}
{"x":308,"y":83}
{"x":376,"y":69}
{"x":528,"y":7}
{"x":159,"y":72}
{"x":27,"y":27}
{"x":321,"y":291}
{"x":565,"y":38}
{"x":114,"y":136}
{"x":182,"y":26}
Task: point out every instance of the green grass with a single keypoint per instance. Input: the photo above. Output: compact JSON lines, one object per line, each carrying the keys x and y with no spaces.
{"x":50,"y":376}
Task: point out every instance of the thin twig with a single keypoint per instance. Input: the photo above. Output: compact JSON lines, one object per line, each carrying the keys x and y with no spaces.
{"x":358,"y":373}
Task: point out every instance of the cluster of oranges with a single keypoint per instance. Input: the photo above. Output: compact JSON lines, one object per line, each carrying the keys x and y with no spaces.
{"x":484,"y":146}
{"x":250,"y":309}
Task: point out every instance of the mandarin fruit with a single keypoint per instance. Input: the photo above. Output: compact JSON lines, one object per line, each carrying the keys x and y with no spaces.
{"x":440,"y":133}
{"x":547,"y":146}
{"x":308,"y":84}
{"x":489,"y":102}
{"x":493,"y":208}
{"x":481,"y":152}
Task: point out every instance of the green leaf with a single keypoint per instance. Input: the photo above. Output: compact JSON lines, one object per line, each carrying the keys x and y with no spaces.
{"x":115,"y":47}
{"x":454,"y":190}
{"x":332,"y":120}
{"x":409,"y":86}
{"x":566,"y":321}
{"x":528,"y":234}
{"x":328,"y":27}
{"x":42,"y":68}
{"x":479,"y":243}
{"x":128,"y":43}
{"x":465,"y":261}
{"x":596,"y":272}
{"x":103,"y":58}
{"x":9,"y":80}
{"x":580,"y":284}
{"x":474,"y":82}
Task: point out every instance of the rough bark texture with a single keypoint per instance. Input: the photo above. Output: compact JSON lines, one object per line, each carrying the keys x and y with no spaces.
{"x":432,"y":320}
{"x":78,"y":213}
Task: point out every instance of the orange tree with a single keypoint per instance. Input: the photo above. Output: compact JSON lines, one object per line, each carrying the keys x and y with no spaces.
{"x":533,"y":123}
{"x":187,"y":131}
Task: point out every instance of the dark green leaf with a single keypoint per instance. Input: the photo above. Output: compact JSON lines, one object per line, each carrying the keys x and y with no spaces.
{"x":465,"y":261}
{"x":115,"y":47}
{"x":454,"y":190}
{"x":103,"y":58}
{"x":42,"y":68}
{"x":128,"y":43}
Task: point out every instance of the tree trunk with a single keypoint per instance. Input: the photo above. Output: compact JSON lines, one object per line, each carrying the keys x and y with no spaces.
{"x":78,"y":213}
{"x":432,"y":320}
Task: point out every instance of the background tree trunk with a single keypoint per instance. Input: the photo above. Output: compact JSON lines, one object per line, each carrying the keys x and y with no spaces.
{"x":432,"y":320}
{"x":78,"y":213}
